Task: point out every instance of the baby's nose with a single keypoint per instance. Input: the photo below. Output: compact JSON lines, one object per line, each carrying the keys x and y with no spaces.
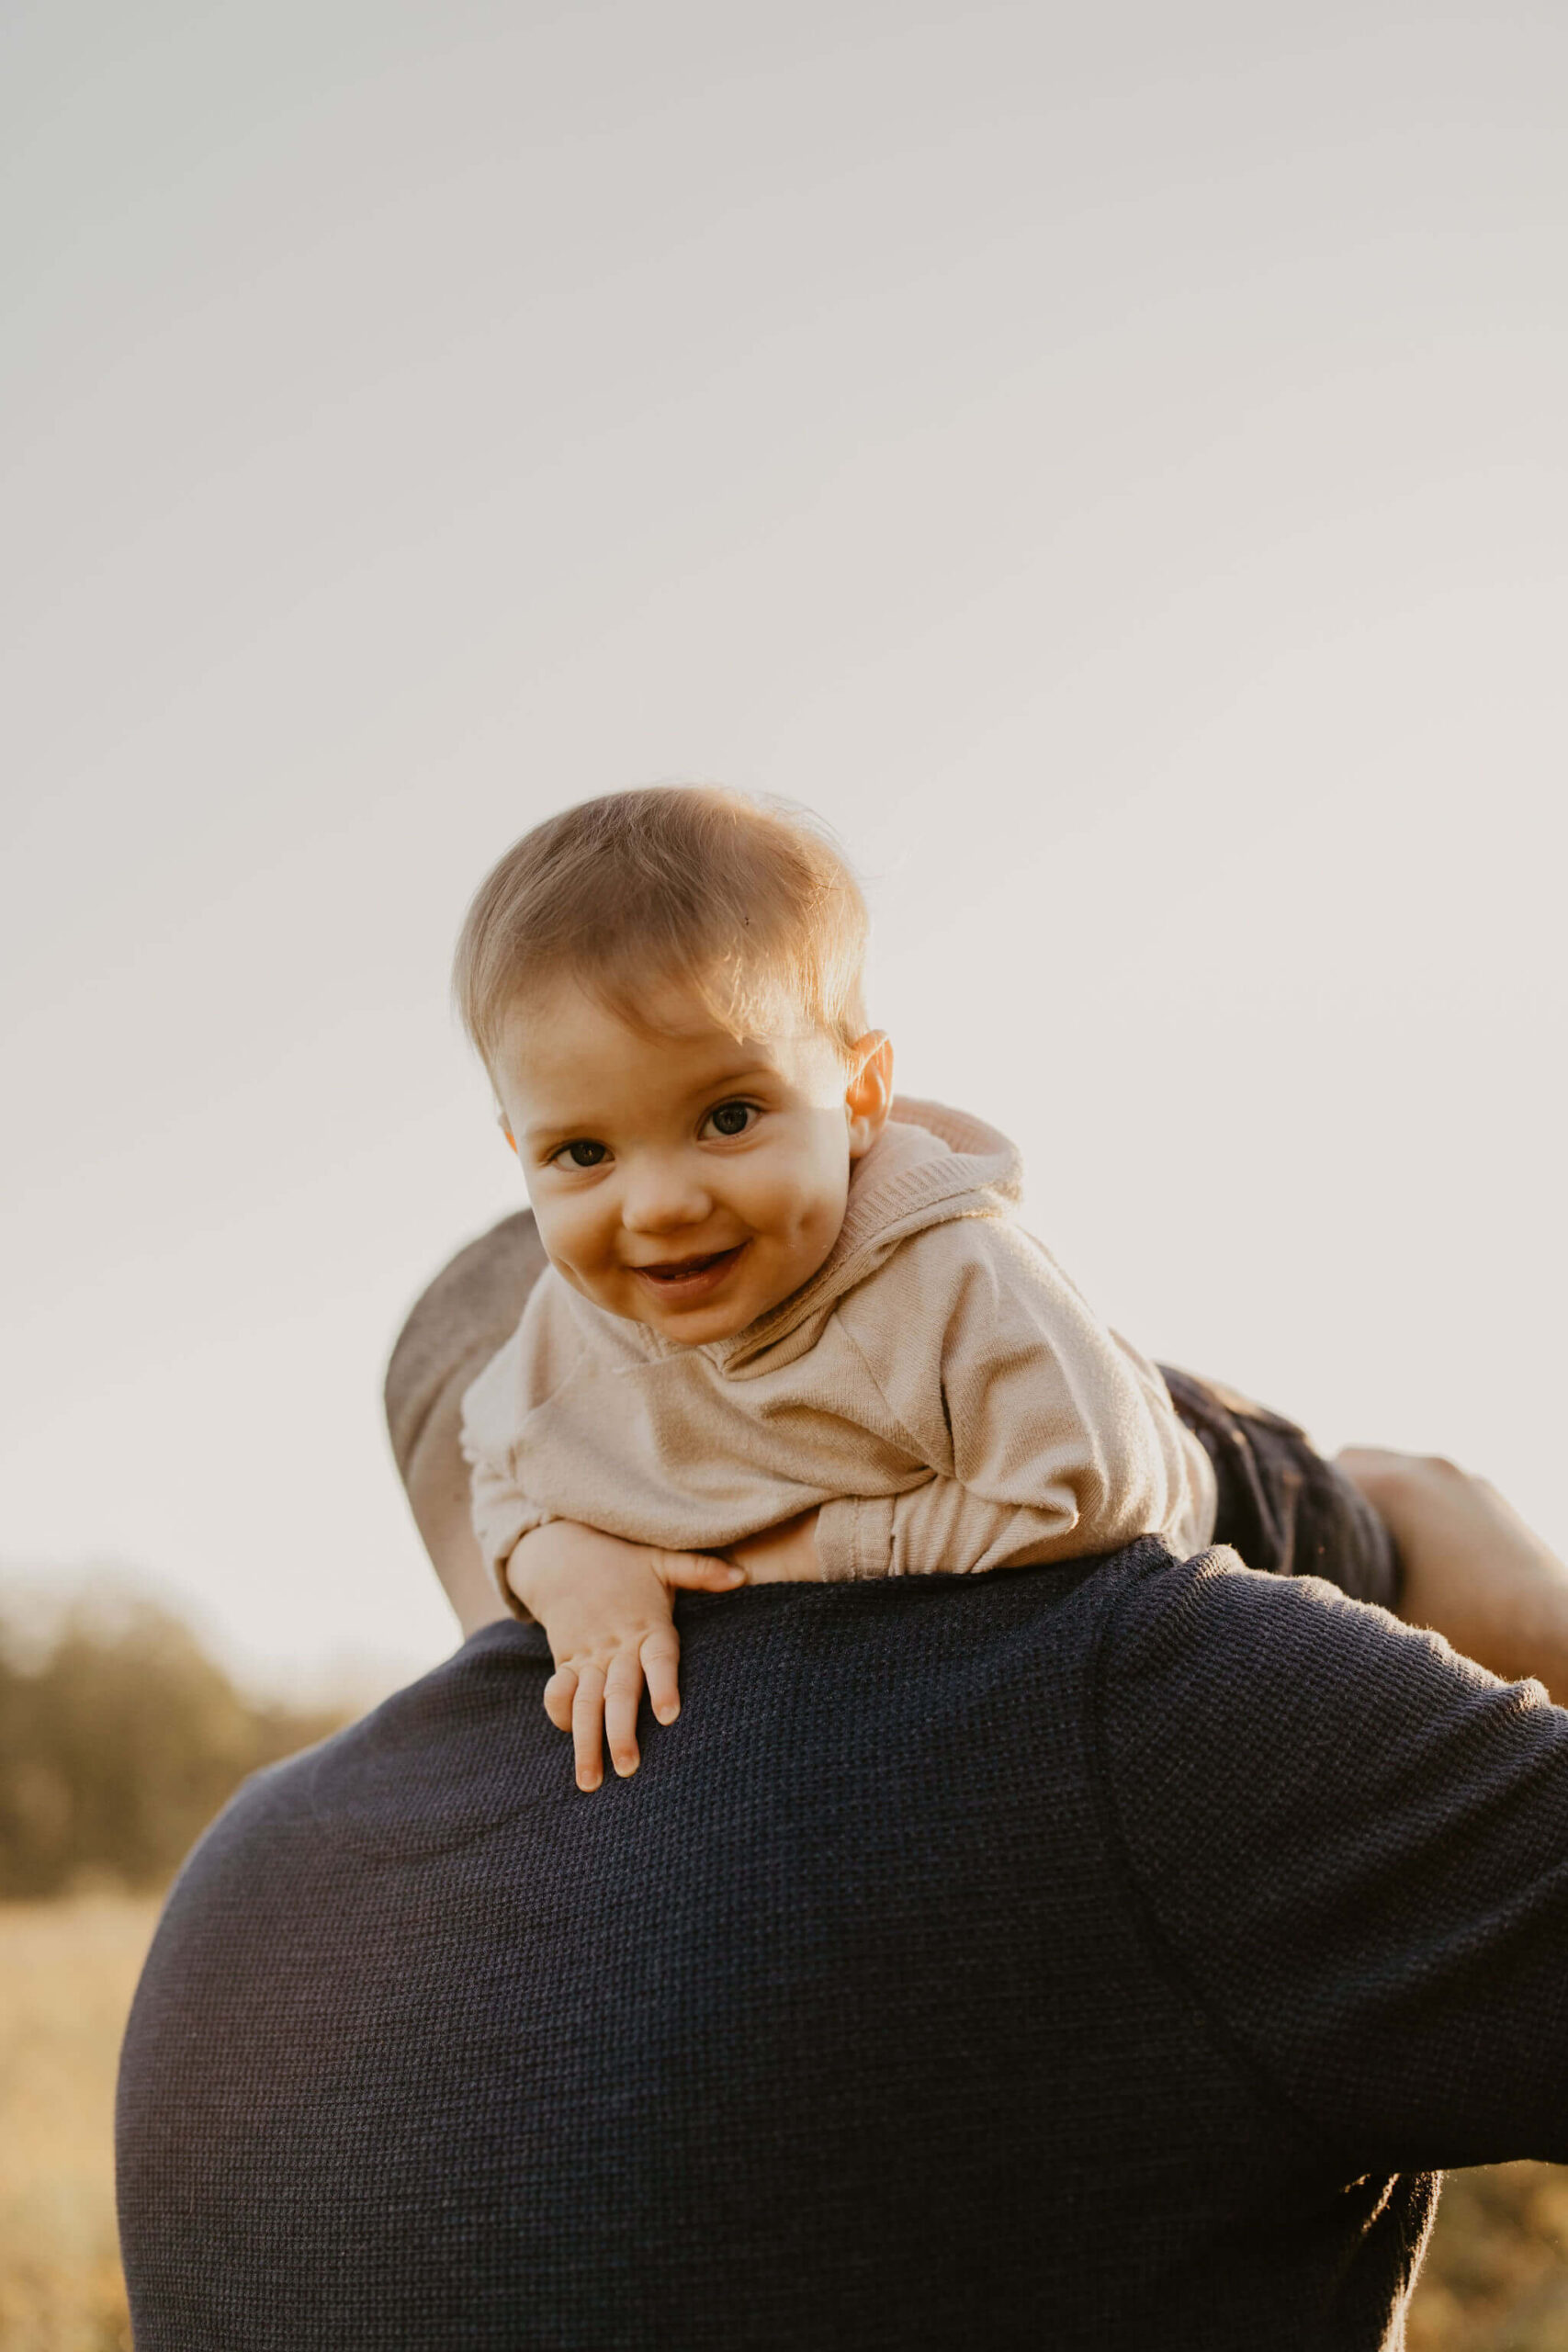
{"x":663,"y":1196}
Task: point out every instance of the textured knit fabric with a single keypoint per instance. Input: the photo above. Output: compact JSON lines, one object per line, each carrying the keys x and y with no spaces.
{"x":1088,"y":1956}
{"x":938,"y":1387}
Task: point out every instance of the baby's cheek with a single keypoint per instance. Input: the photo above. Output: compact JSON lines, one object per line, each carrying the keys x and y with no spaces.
{"x":815,"y":1232}
{"x":574,"y":1250}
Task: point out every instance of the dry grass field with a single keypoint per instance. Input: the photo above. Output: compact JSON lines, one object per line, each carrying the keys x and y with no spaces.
{"x":67,"y":1973}
{"x":1496,"y":2279}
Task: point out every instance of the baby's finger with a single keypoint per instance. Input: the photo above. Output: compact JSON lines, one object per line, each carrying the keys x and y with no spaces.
{"x":588,"y":1727}
{"x":699,"y":1572}
{"x":623,"y":1689}
{"x":660,"y":1657}
{"x":559,"y":1692}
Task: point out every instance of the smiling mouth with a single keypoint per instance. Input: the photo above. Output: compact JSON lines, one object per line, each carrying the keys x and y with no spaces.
{"x":686,"y":1274}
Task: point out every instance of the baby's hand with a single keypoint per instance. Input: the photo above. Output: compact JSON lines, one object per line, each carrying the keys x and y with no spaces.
{"x":605,"y":1607}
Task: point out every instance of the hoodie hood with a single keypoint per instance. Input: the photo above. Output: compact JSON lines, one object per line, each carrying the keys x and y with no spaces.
{"x":929,"y":1166}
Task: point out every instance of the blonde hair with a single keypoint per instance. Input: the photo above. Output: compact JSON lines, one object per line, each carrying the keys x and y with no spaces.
{"x":735,"y":900}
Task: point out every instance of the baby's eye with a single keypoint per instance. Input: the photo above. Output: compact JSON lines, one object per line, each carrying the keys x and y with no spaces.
{"x":580,"y":1154}
{"x":732,"y":1118}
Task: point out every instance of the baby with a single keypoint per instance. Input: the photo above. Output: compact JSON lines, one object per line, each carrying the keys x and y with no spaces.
{"x":789,"y":1327}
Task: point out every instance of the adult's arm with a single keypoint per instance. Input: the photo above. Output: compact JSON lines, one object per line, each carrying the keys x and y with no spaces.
{"x":1472,"y":1569}
{"x":456,"y":1325}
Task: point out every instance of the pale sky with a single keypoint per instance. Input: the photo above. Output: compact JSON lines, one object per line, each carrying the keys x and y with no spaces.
{"x":1109,"y":463}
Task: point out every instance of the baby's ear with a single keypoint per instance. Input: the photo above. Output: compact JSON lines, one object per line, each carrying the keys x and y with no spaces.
{"x":869,"y":1094}
{"x":506,"y":1131}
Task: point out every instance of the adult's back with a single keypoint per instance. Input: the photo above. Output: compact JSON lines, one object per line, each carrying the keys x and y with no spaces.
{"x":1090,"y":1956}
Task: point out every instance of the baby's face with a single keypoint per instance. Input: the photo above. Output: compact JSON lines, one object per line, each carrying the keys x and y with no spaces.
{"x":683,"y":1180}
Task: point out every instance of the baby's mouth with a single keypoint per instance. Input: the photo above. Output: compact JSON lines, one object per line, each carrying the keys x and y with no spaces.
{"x":686,"y":1274}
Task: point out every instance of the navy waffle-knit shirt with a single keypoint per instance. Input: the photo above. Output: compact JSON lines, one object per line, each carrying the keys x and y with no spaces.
{"x":1102,"y":1956}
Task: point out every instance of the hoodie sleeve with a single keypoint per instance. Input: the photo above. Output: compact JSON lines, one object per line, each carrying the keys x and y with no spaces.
{"x":492,"y":1414}
{"x":1047,"y":1436}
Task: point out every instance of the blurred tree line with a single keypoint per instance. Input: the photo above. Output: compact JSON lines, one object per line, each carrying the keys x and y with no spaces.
{"x":119,"y":1739}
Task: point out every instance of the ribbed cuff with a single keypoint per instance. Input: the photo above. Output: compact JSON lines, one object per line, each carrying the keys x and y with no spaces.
{"x":854,"y":1538}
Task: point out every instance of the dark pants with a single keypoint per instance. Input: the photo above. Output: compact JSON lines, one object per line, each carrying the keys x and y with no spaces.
{"x":1281,"y":1505}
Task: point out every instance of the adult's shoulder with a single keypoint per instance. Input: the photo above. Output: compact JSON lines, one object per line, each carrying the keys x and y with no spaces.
{"x":434,"y":1767}
{"x":1273,"y":1667}
{"x":1348,"y":1842}
{"x":1196,"y":1624}
{"x":1234,"y":1692}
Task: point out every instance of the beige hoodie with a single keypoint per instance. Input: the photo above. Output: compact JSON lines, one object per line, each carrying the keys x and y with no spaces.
{"x":938,"y":1387}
